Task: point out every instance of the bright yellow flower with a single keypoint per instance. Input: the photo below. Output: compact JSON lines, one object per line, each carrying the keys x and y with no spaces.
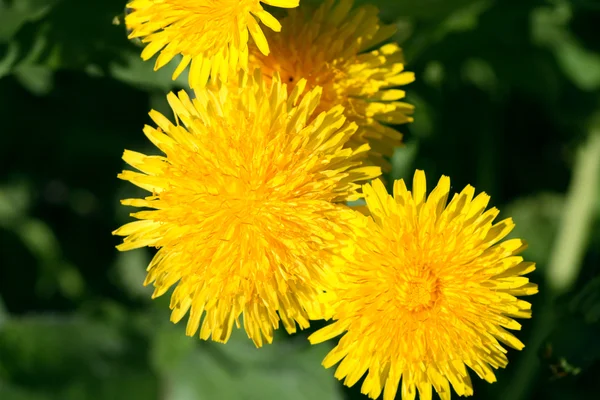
{"x":428,"y":292}
{"x":330,"y":47}
{"x":243,"y":205}
{"x":212,"y":35}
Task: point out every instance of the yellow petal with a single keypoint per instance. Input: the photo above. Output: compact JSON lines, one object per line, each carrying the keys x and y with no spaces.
{"x":257,"y":34}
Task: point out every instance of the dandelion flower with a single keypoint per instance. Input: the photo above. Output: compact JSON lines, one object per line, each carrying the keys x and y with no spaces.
{"x":212,"y":35}
{"x":429,"y":291}
{"x":244,"y":205}
{"x":331,"y":46}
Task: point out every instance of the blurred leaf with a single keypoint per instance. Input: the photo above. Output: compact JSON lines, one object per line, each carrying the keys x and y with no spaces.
{"x":587,"y":301}
{"x":139,"y":73}
{"x":480,"y":73}
{"x":403,"y":159}
{"x":14,"y":201}
{"x":170,"y":346}
{"x":15,"y":13}
{"x":550,"y":29}
{"x":54,"y":272}
{"x":580,"y":64}
{"x":37,"y":79}
{"x":38,"y":237}
{"x":282,"y":369}
{"x":11,"y":392}
{"x":8,"y":57}
{"x":119,"y":382}
{"x":130,"y":269}
{"x":70,"y":281}
{"x":467,"y":17}
{"x":433,"y":74}
{"x":548,"y":24}
{"x":55,"y":347}
{"x":286,"y":369}
{"x":536,"y":219}
{"x":71,"y":358}
{"x":424,"y":116}
{"x":73,"y":34}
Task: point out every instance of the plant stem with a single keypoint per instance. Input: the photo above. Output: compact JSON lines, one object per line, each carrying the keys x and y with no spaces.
{"x":565,"y":259}
{"x":577,"y":218}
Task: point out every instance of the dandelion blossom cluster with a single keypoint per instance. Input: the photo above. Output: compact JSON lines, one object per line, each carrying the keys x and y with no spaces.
{"x":244,"y":205}
{"x":331,"y":47}
{"x":429,"y":290}
{"x":247,"y":202}
{"x":211,"y":35}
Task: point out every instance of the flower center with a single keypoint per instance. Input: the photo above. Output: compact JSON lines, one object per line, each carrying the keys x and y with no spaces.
{"x":418,"y":293}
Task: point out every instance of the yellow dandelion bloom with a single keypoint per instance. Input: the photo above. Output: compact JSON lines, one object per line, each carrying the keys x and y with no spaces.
{"x":211,"y":35}
{"x":244,"y":205}
{"x":331,"y":46}
{"x":429,"y":291}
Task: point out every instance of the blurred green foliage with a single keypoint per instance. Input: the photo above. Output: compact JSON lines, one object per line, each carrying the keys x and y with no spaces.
{"x":506,"y":92}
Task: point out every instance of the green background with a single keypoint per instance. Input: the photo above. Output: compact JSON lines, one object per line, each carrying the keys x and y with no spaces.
{"x":507,"y":97}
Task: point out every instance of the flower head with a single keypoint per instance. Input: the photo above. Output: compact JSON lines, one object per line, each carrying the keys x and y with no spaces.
{"x":212,"y":35}
{"x":428,"y":292}
{"x":243,"y":205}
{"x":329,"y":47}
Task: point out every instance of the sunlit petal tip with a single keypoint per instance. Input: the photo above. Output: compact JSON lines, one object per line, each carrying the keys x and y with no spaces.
{"x":282,"y":3}
{"x":444,"y":183}
{"x":419,"y":186}
{"x":270,"y":21}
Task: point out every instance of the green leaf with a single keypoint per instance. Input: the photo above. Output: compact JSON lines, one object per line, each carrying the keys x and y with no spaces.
{"x":550,"y":29}
{"x":403,"y":159}
{"x":117,"y":382}
{"x":536,"y":219}
{"x":72,"y":34}
{"x":39,"y":238}
{"x":71,"y":358}
{"x":139,"y":73}
{"x":587,"y":301}
{"x":130,"y":273}
{"x":287,"y":369}
{"x":56,"y":347}
{"x":12,"y":392}
{"x":37,"y":79}
{"x":15,"y":13}
{"x":9,"y":55}
{"x":15,"y":199}
{"x":580,"y":64}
